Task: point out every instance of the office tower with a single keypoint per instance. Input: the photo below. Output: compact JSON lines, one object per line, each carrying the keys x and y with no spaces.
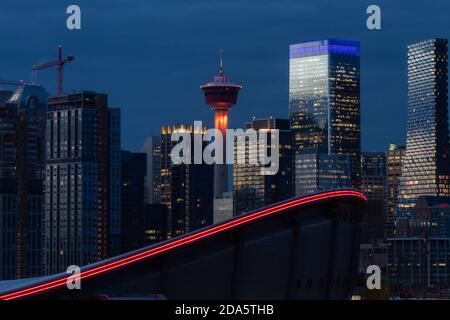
{"x":394,"y":158}
{"x":373,"y":169}
{"x":166,"y":164}
{"x":316,"y":172}
{"x":426,"y":165}
{"x":185,"y":188}
{"x":22,"y":124}
{"x":155,"y":223}
{"x":191,"y":197}
{"x":252,"y":189}
{"x":221,"y":95}
{"x":82,"y":186}
{"x":8,"y":192}
{"x":152,"y":148}
{"x":113,"y":212}
{"x":142,"y":223}
{"x":133,"y":172}
{"x":324,"y":99}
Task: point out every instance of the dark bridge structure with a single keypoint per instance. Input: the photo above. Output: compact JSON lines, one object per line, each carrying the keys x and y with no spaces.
{"x":302,"y":248}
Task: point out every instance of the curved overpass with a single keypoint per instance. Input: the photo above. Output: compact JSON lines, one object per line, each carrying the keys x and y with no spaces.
{"x":302,"y":248}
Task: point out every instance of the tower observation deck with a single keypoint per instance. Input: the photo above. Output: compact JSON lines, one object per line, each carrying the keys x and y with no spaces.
{"x":221,"y":95}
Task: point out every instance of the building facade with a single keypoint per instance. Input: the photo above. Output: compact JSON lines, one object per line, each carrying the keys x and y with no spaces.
{"x":82,"y":184}
{"x":426,"y":165}
{"x":252,"y":189}
{"x":417,"y":264}
{"x":152,"y":148}
{"x":373,"y":169}
{"x":185,"y":188}
{"x":8,"y":192}
{"x":142,"y":223}
{"x":22,"y":140}
{"x":324,"y":99}
{"x":316,"y":172}
{"x":394,"y":160}
{"x":431,"y":217}
{"x":133,"y":173}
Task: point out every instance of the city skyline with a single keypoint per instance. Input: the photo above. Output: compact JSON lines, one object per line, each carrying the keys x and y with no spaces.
{"x":93,"y":172}
{"x":103,"y":64}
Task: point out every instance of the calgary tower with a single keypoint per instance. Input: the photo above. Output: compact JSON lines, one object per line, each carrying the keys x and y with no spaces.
{"x":221,"y":95}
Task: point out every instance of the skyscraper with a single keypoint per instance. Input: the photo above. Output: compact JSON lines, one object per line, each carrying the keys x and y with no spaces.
{"x":185,"y":188}
{"x":152,"y":148}
{"x":8,"y":192}
{"x":394,"y":158}
{"x":141,"y":223}
{"x":324,"y":99}
{"x":82,"y":198}
{"x":373,"y":165}
{"x":426,"y":166}
{"x":22,"y":131}
{"x":316,"y":172}
{"x":133,"y":172}
{"x":252,"y":190}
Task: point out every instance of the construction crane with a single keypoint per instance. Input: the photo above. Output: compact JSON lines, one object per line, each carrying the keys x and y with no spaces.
{"x":59,"y":64}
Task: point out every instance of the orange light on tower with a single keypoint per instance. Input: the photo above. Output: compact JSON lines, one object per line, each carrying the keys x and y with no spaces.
{"x":221,"y":95}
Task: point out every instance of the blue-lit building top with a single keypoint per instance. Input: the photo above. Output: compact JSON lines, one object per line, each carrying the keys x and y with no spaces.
{"x":320,"y":47}
{"x":324,"y":99}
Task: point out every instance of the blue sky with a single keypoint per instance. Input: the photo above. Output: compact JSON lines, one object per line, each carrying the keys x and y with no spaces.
{"x":151,"y":56}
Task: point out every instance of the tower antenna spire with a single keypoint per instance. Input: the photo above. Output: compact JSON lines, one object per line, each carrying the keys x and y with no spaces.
{"x":221,"y":61}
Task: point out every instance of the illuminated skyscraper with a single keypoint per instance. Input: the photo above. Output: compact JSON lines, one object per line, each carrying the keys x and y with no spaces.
{"x":426,"y":166}
{"x":253,"y":190}
{"x":324,"y":99}
{"x":185,"y":188}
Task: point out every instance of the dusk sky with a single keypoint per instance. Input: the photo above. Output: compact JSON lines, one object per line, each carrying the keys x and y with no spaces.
{"x":151,"y":56}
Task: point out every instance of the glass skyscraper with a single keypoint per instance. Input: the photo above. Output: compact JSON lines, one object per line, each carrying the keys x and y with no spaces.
{"x":426,"y":166}
{"x":324,"y":99}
